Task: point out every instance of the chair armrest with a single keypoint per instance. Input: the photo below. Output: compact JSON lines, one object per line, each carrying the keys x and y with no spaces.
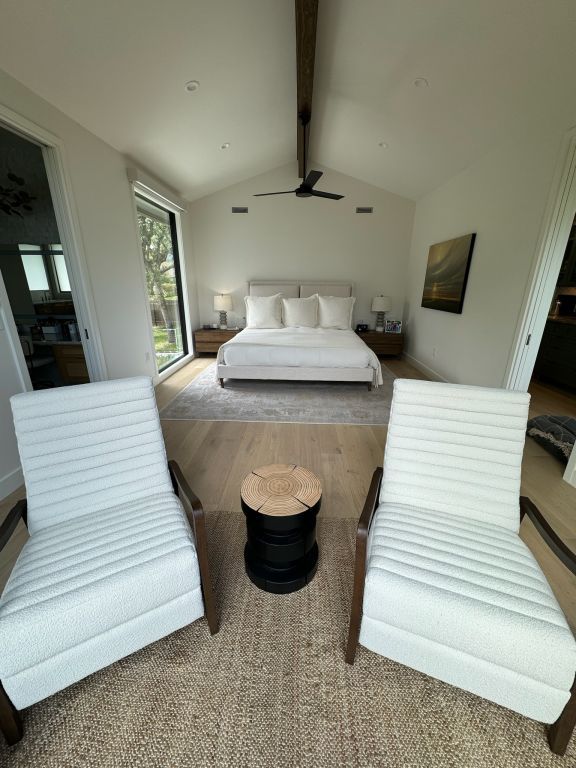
{"x":18,"y":511}
{"x":360,"y":563}
{"x":562,"y":552}
{"x":195,"y":513}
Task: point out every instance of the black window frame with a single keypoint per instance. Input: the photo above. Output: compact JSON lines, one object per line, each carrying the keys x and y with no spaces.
{"x":177,"y":276}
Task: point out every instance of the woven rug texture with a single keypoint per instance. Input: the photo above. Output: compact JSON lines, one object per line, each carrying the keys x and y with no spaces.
{"x":307,"y":402}
{"x":272,"y":690}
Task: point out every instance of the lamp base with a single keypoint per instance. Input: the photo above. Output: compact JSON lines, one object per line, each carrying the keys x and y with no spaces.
{"x":380,"y":316}
{"x":223,"y":321}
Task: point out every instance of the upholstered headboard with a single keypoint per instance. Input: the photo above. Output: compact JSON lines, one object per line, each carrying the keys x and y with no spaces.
{"x":293,"y":289}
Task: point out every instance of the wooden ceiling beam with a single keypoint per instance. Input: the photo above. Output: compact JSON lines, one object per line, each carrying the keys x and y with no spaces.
{"x":306,"y":18}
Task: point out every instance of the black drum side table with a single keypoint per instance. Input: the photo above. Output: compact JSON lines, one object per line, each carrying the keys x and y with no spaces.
{"x":280,"y":502}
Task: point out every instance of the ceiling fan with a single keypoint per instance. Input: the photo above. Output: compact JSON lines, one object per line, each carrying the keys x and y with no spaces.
{"x":306,"y":16}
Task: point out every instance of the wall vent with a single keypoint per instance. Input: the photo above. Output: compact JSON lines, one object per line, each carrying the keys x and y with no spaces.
{"x":239,"y":209}
{"x":364,"y":209}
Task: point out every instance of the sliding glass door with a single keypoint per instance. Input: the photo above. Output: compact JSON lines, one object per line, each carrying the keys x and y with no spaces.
{"x":162,"y":265}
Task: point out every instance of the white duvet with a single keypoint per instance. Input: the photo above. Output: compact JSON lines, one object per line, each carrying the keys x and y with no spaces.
{"x":304,"y":347}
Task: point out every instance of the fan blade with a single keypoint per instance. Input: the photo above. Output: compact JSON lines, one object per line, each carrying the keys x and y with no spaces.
{"x":317,"y":193}
{"x":266,"y":194}
{"x":312,"y":178}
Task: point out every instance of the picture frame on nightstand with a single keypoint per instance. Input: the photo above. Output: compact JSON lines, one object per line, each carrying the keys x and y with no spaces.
{"x":393,"y":326}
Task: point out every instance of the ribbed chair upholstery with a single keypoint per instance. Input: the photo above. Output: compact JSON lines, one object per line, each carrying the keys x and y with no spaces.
{"x":112,"y":563}
{"x":449,"y":588}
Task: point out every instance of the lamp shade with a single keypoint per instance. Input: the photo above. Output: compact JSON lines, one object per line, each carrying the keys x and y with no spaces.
{"x":222,"y":302}
{"x":381,"y":304}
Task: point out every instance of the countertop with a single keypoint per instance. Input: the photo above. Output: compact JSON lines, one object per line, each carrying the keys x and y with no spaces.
{"x":55,"y":343}
{"x":564,"y":319}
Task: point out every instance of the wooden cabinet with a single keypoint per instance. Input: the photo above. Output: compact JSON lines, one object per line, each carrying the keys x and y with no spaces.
{"x":209,"y":340}
{"x":567,"y":276}
{"x":556,"y":361}
{"x":71,"y":363}
{"x":384,"y":343}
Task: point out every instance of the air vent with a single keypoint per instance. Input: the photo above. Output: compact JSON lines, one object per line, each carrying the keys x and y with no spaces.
{"x":239,"y":209}
{"x":364,"y":209}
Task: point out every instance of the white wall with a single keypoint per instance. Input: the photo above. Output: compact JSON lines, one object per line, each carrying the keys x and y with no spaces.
{"x":503,"y":199}
{"x":300,"y":238}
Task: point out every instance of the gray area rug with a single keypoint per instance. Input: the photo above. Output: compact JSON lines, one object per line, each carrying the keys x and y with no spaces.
{"x":281,"y":401}
{"x":272,"y":690}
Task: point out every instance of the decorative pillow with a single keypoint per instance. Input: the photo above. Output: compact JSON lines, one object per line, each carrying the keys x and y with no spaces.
{"x":300,"y":313}
{"x":335,"y":312}
{"x":263,"y":311}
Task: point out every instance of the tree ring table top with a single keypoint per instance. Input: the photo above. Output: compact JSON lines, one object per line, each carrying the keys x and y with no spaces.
{"x":281,"y":489}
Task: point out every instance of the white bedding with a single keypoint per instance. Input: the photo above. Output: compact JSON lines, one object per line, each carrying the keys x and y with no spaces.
{"x":299,"y":347}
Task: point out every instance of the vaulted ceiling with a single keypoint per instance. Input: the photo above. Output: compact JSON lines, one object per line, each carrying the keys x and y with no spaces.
{"x":119,"y":69}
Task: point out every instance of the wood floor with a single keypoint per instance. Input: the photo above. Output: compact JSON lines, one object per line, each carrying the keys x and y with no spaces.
{"x":215,"y":457}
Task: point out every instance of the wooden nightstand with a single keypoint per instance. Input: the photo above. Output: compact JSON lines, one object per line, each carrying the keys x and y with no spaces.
{"x":384,"y":343}
{"x":209,"y":340}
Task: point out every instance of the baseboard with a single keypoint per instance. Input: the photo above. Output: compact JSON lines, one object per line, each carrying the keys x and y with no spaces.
{"x":425,"y":369}
{"x":10,"y":482}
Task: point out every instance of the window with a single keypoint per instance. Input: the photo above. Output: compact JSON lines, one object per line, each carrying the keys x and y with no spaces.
{"x":45,"y":269}
{"x":34,"y":268}
{"x":162,"y":266}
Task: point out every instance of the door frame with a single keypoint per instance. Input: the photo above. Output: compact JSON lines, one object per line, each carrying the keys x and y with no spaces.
{"x":67,"y":220}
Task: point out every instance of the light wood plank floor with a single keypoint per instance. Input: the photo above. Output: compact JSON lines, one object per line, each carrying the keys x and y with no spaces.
{"x":215,"y":456}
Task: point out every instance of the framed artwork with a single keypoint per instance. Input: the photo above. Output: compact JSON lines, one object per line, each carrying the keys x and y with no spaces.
{"x":393,"y":326}
{"x":447,"y":274}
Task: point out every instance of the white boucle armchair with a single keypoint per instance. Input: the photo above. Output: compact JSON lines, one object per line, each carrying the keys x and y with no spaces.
{"x":443,"y":583}
{"x":112,"y":563}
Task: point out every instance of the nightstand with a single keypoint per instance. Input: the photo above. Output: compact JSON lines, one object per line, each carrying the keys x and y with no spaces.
{"x":209,"y":340}
{"x":383,"y":343}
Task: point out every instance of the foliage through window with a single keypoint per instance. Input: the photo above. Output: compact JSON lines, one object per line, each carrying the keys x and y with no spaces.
{"x":160,"y":251}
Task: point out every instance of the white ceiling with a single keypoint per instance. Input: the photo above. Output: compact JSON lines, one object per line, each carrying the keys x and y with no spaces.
{"x":119,"y":69}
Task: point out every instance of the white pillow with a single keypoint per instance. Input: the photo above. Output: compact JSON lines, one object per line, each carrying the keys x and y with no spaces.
{"x":263,"y":311}
{"x":300,"y":313}
{"x":335,"y":312}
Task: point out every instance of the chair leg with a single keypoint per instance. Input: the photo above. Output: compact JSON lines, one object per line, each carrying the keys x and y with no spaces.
{"x":10,"y":721}
{"x":559,"y":733}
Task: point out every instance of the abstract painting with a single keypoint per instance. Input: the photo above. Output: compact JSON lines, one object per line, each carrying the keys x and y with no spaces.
{"x":447,"y":273}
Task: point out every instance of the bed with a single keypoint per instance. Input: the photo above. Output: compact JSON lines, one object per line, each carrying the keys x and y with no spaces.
{"x":299,"y":354}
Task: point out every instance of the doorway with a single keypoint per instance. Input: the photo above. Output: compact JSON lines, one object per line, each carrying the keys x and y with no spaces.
{"x":34,"y":269}
{"x":544,"y":358}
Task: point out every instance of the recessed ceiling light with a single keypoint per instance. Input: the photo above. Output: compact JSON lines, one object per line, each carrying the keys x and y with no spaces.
{"x":192,"y":85}
{"x":383,"y":144}
{"x":421,"y":82}
{"x":226,"y":145}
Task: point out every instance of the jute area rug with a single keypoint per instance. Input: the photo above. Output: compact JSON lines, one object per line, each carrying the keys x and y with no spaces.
{"x":308,"y":402}
{"x":271,"y":690}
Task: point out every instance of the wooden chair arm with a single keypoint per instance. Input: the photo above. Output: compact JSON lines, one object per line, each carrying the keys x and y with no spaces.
{"x":562,"y":552}
{"x":360,"y":563}
{"x":18,"y":511}
{"x":195,"y":513}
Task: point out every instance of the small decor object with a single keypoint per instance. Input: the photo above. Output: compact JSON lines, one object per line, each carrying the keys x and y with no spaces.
{"x":447,"y":274}
{"x":361,"y":327}
{"x":223,"y":304}
{"x":393,"y":326}
{"x":280,"y":502}
{"x":381,"y":305}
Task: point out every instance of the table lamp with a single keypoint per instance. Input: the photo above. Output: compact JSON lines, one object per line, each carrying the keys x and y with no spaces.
{"x":381,"y":305}
{"x":223,"y":304}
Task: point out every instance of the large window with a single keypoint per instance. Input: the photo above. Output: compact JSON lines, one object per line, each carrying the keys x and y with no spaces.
{"x":45,"y":269}
{"x":161,"y":261}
